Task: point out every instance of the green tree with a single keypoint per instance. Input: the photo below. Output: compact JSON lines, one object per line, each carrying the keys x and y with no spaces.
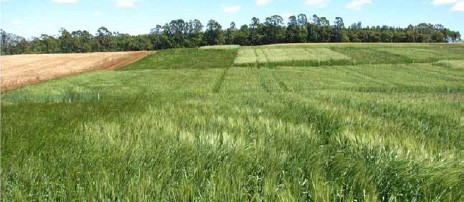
{"x":66,"y":41}
{"x":213,"y":34}
{"x":293,"y":30}
{"x":105,"y":39}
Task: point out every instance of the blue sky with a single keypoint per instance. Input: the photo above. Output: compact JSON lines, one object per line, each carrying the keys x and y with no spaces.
{"x":33,"y":17}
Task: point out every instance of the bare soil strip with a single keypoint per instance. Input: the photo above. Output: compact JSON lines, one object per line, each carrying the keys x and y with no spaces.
{"x":21,"y":70}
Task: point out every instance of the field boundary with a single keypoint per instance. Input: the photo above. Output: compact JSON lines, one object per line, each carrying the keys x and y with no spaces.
{"x":218,"y":85}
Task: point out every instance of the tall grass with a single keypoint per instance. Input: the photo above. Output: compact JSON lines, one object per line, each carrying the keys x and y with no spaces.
{"x":374,"y":132}
{"x":220,"y":146}
{"x":186,"y":59}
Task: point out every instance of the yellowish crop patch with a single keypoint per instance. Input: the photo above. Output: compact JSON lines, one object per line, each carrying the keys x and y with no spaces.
{"x":221,"y":47}
{"x":276,"y":55}
{"x":455,"y":64}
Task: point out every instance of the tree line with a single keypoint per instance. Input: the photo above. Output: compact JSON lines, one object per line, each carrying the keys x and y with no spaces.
{"x":188,"y":34}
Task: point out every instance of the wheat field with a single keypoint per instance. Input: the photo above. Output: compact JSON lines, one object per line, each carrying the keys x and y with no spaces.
{"x":20,"y":70}
{"x":195,"y":125}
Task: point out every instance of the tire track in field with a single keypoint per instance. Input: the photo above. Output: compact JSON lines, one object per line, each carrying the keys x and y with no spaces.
{"x":263,"y":51}
{"x":358,"y":75}
{"x":281,"y":83}
{"x":269,"y":82}
{"x":398,"y":85}
{"x":262,"y":80}
{"x":256,"y":58}
{"x":305,"y":110}
{"x":380,"y":79}
{"x":220,"y":81}
{"x":432,"y":72}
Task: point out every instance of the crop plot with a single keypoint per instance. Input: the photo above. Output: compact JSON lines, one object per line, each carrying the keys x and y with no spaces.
{"x":191,"y":58}
{"x":372,"y":78}
{"x":370,"y":55}
{"x":118,"y":84}
{"x":454,"y":64}
{"x":20,"y":70}
{"x":426,"y":53}
{"x":240,"y":80}
{"x":220,"y":47}
{"x":251,"y":56}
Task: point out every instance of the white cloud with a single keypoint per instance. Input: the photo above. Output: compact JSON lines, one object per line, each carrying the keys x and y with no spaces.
{"x":317,"y":3}
{"x":440,"y":2}
{"x":16,"y":22}
{"x":231,"y":9}
{"x":262,"y":2}
{"x":358,"y":4}
{"x":459,"y":6}
{"x":49,"y":24}
{"x":3,"y":1}
{"x":97,"y":13}
{"x":126,"y":3}
{"x":65,"y":1}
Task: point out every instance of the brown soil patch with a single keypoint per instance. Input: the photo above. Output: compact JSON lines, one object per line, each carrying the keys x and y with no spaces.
{"x":21,"y":70}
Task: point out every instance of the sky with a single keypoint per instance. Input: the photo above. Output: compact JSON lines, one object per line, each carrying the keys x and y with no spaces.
{"x":31,"y":18}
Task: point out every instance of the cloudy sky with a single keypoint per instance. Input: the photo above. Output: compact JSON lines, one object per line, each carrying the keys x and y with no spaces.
{"x":33,"y":17}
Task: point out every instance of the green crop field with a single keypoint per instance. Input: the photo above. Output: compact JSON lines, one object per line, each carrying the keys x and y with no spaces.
{"x":276,"y":55}
{"x":318,"y":122}
{"x":221,"y":47}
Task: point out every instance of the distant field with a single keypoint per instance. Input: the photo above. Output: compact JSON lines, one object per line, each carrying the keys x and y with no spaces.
{"x":345,"y":54}
{"x":221,"y":47}
{"x":187,"y":58}
{"x":252,"y":55}
{"x":323,"y":122}
{"x":20,"y":70}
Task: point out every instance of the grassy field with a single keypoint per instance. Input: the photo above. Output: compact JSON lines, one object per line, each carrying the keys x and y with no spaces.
{"x":386,"y":124}
{"x":221,"y":47}
{"x":276,"y":55}
{"x":187,"y":58}
{"x":341,"y":54}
